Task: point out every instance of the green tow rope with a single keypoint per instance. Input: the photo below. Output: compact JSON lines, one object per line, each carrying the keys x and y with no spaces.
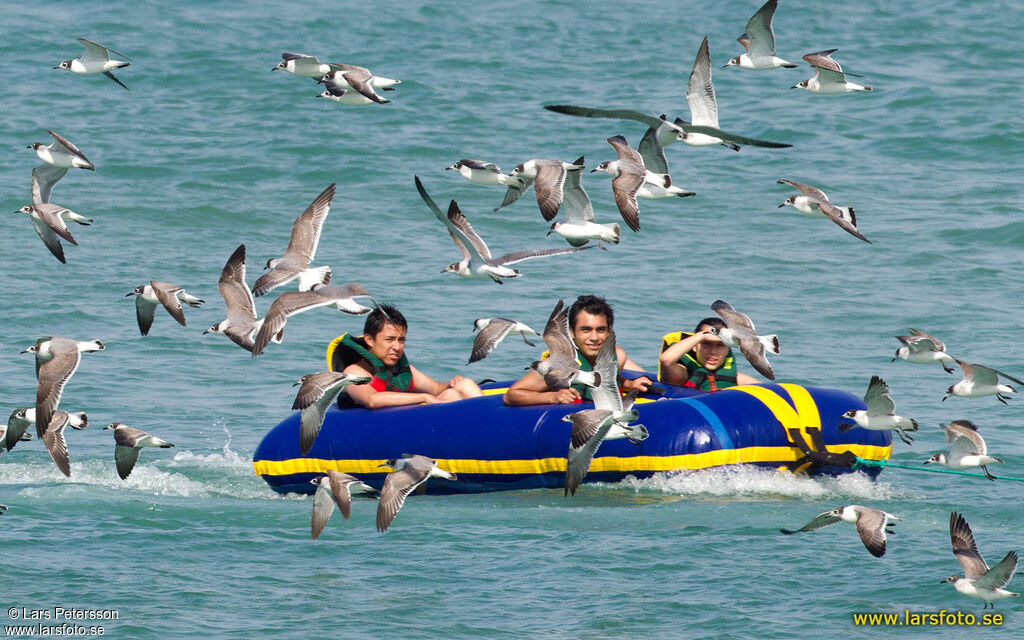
{"x":861,"y":462}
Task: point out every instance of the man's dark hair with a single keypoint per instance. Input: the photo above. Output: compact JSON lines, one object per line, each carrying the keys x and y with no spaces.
{"x":711,"y":322}
{"x":594,"y":306}
{"x":382,"y":315}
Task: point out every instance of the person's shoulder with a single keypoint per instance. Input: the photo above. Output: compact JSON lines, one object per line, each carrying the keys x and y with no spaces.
{"x":356,"y":369}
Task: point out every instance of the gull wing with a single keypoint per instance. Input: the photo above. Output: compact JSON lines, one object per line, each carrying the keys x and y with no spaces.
{"x":167,"y":294}
{"x":528,"y":254}
{"x":323,"y":505}
{"x":700,"y":93}
{"x":458,"y":237}
{"x":806,"y":190}
{"x":144,"y":313}
{"x":63,"y":144}
{"x":306,"y":229}
{"x":606,"y":395}
{"x":49,"y":238}
{"x":998,"y":576}
{"x":55,"y":443}
{"x":877,"y":398}
{"x":761,"y":37}
{"x":589,"y":428}
{"x":43,"y":178}
{"x":965,"y":437}
{"x":679,"y":126}
{"x":652,"y":153}
{"x":988,"y":374}
{"x":237,"y":295}
{"x":575,"y":201}
{"x":515,"y":191}
{"x":96,"y":51}
{"x":286,"y":56}
{"x":753,"y":350}
{"x":315,"y":396}
{"x":871,"y":528}
{"x":828,"y":76}
{"x":480,"y":165}
{"x":965,"y":548}
{"x":287,"y":304}
{"x":823,"y":60}
{"x":548,"y":187}
{"x":733,"y":319}
{"x":397,"y":487}
{"x":359,"y":80}
{"x":556,"y":334}
{"x":459,"y":225}
{"x":819,"y":521}
{"x":52,"y":376}
{"x":844,"y":218}
{"x":489,"y":337}
{"x":937,"y":345}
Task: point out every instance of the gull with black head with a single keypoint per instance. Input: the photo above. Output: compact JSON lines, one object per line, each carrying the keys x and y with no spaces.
{"x":547,"y":177}
{"x":813,"y":202}
{"x":128,"y":442}
{"x":487,"y":173}
{"x":24,"y":417}
{"x":921,"y":348}
{"x":829,"y":78}
{"x":979,"y":381}
{"x":608,"y":420}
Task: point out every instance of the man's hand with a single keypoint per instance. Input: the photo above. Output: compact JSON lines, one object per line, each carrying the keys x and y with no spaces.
{"x":566,"y":396}
{"x":641,"y":384}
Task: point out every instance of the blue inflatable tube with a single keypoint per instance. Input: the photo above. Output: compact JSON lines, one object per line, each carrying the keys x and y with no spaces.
{"x":492,"y":447}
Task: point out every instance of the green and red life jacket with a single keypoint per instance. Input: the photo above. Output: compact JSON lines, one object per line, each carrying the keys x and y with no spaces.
{"x":346,"y":350}
{"x":699,"y":376}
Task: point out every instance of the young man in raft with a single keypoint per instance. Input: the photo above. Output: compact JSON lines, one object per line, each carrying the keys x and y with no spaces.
{"x":380,"y":353}
{"x":702,"y":361}
{"x":590,"y":322}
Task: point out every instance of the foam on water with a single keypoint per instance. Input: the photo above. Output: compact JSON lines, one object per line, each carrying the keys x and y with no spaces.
{"x":749,"y":482}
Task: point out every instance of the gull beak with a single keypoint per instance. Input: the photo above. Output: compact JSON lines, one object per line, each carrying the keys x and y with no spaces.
{"x":782,"y":205}
{"x":206,"y":332}
{"x":57,"y":67}
{"x":593,"y":170}
{"x":795,"y":86}
{"x":128,"y":295}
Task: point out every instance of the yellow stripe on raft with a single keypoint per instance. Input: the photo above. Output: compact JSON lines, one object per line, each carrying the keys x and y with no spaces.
{"x":546,"y":465}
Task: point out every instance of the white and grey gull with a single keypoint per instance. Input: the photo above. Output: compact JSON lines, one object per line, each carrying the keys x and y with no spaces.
{"x":96,"y":59}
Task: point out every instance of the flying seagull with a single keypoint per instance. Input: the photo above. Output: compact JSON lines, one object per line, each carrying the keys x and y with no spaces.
{"x":872,"y":525}
{"x":547,"y":177}
{"x":579,"y":226}
{"x":879,"y":415}
{"x":301,"y":249}
{"x":978,"y":580}
{"x":292,"y":302}
{"x":561,"y":369}
{"x":56,"y":361}
{"x":968,"y":451}
{"x":409,"y":473}
{"x":149,"y":295}
{"x":128,"y":443}
{"x":476,"y":257}
{"x":829,"y":78}
{"x":922,"y":348}
{"x":759,"y":42}
{"x":334,"y":488}
{"x":981,"y":381}
{"x":241,"y":323}
{"x":492,"y":331}
{"x":814,"y":202}
{"x":96,"y":59}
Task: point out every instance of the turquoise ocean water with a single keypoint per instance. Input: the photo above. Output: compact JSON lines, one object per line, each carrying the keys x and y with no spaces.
{"x":210,"y":149}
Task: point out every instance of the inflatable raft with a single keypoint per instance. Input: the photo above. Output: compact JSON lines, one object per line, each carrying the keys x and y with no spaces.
{"x":492,"y":447}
